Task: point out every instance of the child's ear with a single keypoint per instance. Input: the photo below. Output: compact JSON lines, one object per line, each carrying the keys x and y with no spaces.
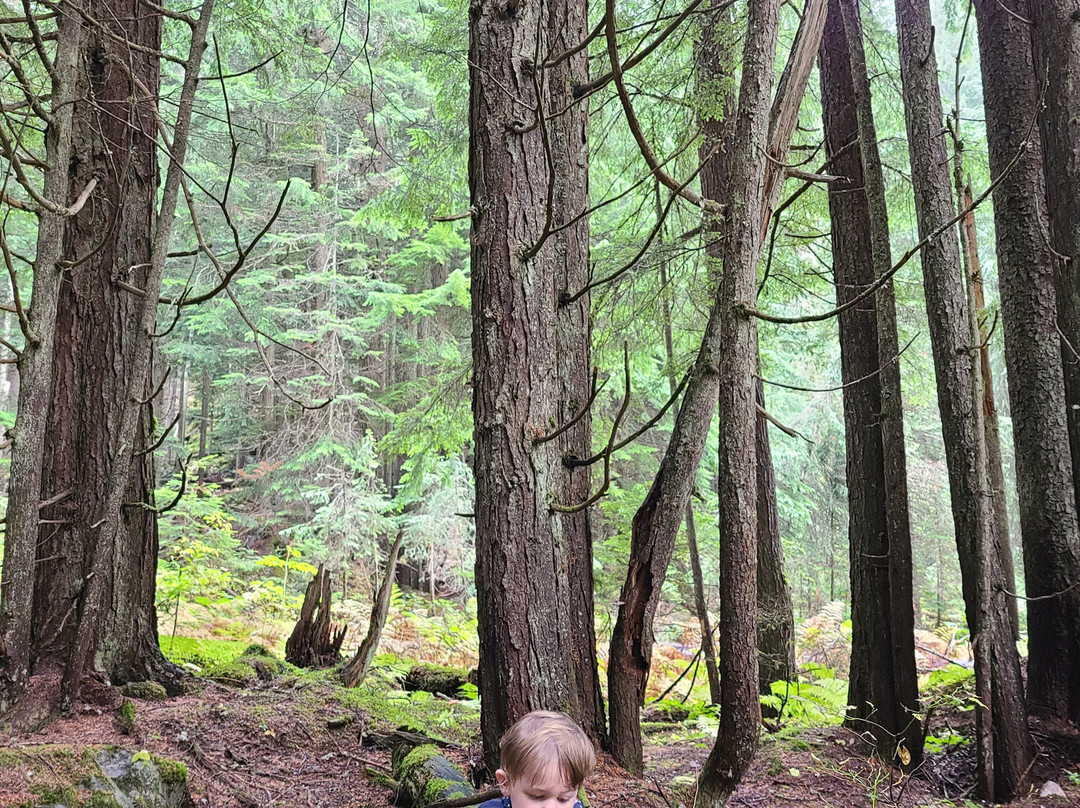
{"x":502,"y":779}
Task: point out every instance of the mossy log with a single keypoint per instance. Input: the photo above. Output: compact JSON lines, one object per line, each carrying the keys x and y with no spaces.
{"x":437,"y":679}
{"x":425,"y":777}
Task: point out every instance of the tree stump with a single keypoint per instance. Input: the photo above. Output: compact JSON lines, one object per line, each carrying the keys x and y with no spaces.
{"x":315,"y":642}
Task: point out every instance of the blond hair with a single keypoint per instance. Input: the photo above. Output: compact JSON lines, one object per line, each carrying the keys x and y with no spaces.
{"x":540,"y":739}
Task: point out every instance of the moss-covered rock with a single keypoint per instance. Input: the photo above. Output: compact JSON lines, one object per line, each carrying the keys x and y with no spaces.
{"x":436,"y":679}
{"x":98,"y":777}
{"x":247,"y":670}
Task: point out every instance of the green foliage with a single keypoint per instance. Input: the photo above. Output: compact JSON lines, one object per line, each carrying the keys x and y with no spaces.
{"x":200,"y":652}
{"x":816,"y":698}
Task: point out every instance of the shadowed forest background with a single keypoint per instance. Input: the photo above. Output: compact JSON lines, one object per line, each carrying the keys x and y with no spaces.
{"x":706,"y":370}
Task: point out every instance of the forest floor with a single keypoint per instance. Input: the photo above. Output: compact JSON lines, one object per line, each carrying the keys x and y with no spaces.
{"x":270,"y":743}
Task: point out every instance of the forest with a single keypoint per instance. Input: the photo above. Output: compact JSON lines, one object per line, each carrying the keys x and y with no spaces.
{"x":373,"y":374}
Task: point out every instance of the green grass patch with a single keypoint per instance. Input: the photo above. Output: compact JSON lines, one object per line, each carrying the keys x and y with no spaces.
{"x":201,"y":652}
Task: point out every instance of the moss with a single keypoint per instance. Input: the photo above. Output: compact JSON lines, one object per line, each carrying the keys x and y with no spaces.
{"x":437,"y":789}
{"x":125,"y":718}
{"x":49,"y":795}
{"x":147,"y":691}
{"x":247,"y":670}
{"x":200,"y":652}
{"x":256,"y":649}
{"x":415,"y":759}
{"x":172,"y":772}
{"x":101,"y":799}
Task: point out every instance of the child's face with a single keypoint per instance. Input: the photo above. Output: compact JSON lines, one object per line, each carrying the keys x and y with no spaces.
{"x":550,"y":791}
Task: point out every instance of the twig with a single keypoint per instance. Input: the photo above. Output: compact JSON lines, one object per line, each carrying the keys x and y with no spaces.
{"x":577,"y":416}
{"x":845,"y":385}
{"x":555,"y":506}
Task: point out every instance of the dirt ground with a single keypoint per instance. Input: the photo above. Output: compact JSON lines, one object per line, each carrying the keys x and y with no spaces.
{"x":271,"y":746}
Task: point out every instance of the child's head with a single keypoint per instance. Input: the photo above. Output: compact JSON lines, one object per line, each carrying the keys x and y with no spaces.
{"x":545,"y":758}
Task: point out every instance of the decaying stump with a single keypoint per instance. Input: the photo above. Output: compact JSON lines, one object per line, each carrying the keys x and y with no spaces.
{"x":356,"y":670}
{"x":315,"y":642}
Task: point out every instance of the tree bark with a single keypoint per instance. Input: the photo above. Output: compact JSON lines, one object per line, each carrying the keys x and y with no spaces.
{"x":1054,"y":683}
{"x":775,"y":618}
{"x":97,"y":328}
{"x":956,"y":368}
{"x":354,"y":673}
{"x":701,"y":604}
{"x":969,"y":250}
{"x":740,"y":713}
{"x":531,"y":365}
{"x":107,"y":540}
{"x":204,"y":413}
{"x":35,"y":376}
{"x":883,"y":686}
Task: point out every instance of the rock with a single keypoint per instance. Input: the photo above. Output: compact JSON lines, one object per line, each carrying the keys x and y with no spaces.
{"x":247,"y":670}
{"x":139,"y":780}
{"x":1051,"y":789}
{"x":147,"y":691}
{"x":104,"y":777}
{"x":436,"y":679}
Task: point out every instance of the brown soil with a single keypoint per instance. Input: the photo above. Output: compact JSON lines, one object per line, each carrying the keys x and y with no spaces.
{"x":271,"y":747}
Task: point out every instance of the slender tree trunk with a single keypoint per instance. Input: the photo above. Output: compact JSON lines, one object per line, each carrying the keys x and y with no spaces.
{"x":970,"y":251}
{"x":1052,"y":566}
{"x":740,"y":712}
{"x":883,"y":687}
{"x":531,"y":365}
{"x":956,"y":367}
{"x":775,"y":618}
{"x":35,"y":375}
{"x":701,"y":604}
{"x":204,"y":413}
{"x":356,"y":670}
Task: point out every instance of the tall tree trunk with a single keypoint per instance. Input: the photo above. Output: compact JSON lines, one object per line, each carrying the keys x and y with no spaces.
{"x":883,"y":687}
{"x":109,"y":541}
{"x":531,"y":365}
{"x":1054,"y":685}
{"x":701,"y":604}
{"x":97,"y":328}
{"x":204,"y":412}
{"x":956,"y":368}
{"x":656,"y":522}
{"x":969,"y":250}
{"x":740,"y":712}
{"x":775,"y":617}
{"x":36,"y":372}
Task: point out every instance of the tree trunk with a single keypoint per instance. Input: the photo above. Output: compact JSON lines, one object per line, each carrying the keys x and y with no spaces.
{"x":740,"y":713}
{"x":701,"y":604}
{"x":35,"y":376}
{"x":956,"y":368}
{"x":969,"y":251}
{"x":883,"y":687}
{"x":109,"y":540}
{"x":531,"y":365}
{"x":1054,"y":676}
{"x":775,"y":618}
{"x":97,"y":328}
{"x":204,"y":413}
{"x":354,"y":673}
